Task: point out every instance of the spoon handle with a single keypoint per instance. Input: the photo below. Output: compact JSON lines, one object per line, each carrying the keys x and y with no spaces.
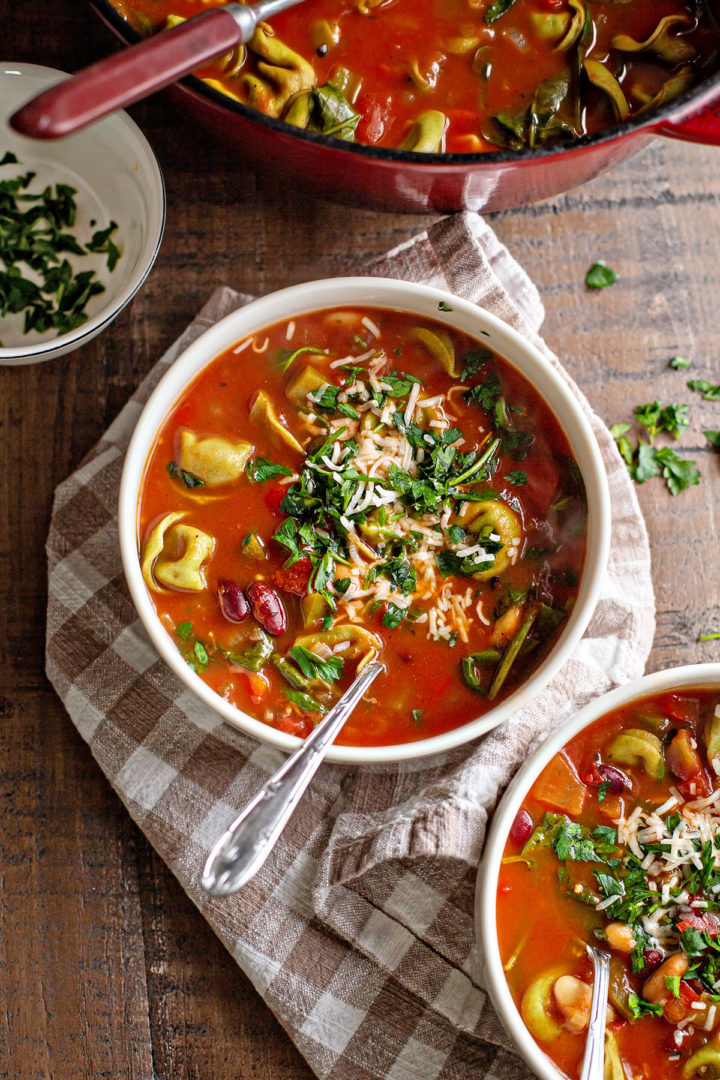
{"x":593,"y":1065}
{"x":133,"y":73}
{"x":242,"y":849}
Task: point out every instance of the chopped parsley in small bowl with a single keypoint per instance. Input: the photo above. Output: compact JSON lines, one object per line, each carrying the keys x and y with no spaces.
{"x":81,"y":220}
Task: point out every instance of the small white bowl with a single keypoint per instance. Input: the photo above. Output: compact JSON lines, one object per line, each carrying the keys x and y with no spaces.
{"x":402,"y":296}
{"x":490,"y":966}
{"x":117,"y":179}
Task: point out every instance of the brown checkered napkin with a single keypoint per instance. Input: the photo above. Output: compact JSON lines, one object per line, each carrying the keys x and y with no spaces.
{"x":358,"y":931}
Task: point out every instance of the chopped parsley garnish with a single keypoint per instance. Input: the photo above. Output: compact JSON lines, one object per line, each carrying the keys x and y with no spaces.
{"x":400,"y":574}
{"x":573,"y":841}
{"x":473,"y":361}
{"x":517,"y":477}
{"x":287,"y":357}
{"x":183,"y":630}
{"x":713,"y":437}
{"x":187,"y":478}
{"x":639,"y":1007}
{"x":36,"y":278}
{"x":101,"y":242}
{"x":200,"y":653}
{"x":679,"y":363}
{"x":259,"y":470}
{"x":393,"y":616}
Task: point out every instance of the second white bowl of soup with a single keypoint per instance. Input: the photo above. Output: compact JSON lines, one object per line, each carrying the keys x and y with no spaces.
{"x":361,"y":468}
{"x":608,"y":836}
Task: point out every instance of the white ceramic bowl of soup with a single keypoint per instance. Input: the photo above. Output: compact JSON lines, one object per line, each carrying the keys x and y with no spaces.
{"x":489,"y":964}
{"x":116,"y":178}
{"x":433,"y":304}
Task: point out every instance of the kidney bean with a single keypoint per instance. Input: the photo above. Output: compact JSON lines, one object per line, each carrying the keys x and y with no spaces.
{"x":267,"y":607}
{"x":521,"y":827}
{"x":616,"y":778}
{"x":233,"y":604}
{"x":653,"y":957}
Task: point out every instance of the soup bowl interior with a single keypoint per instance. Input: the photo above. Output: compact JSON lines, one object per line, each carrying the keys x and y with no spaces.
{"x":489,"y":968}
{"x":422,"y":301}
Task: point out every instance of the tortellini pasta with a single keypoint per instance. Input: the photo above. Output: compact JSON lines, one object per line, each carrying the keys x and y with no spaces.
{"x":175,"y":555}
{"x":263,"y":410}
{"x":213,"y":460}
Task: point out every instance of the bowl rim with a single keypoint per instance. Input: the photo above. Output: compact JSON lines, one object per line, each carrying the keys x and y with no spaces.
{"x":687,"y":677}
{"x":156,"y":203}
{"x":391,"y":294}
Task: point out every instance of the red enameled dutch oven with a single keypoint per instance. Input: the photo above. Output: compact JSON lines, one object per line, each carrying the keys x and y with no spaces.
{"x":396,"y":180}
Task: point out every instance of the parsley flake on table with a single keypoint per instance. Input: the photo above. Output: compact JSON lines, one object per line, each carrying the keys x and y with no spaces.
{"x":655,"y":418}
{"x":710,"y":391}
{"x":600,"y":275}
{"x":679,"y":363}
{"x":645,"y":460}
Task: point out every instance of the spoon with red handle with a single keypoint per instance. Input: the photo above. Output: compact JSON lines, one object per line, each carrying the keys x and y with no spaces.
{"x":133,"y":73}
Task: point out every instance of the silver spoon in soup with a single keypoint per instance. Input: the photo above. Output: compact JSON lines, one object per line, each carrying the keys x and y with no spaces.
{"x":242,"y":849}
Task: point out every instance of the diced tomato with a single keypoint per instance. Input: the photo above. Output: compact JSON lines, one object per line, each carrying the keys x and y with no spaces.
{"x":678,"y":1008}
{"x":697,"y":787}
{"x":273,"y":497}
{"x":612,"y":806}
{"x":293,"y":579}
{"x":374,"y":116}
{"x":294,"y":725}
{"x":257,"y":685}
{"x":675,"y":1010}
{"x":705,"y":923}
{"x":687,"y":994}
{"x":682,"y":757}
{"x":681,"y":708}
{"x":186,"y":414}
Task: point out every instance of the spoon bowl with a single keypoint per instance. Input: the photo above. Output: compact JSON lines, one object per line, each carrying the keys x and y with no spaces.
{"x":243,"y":848}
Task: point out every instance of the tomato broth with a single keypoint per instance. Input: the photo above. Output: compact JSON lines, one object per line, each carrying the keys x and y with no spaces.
{"x":356,"y":484}
{"x":461,"y":76}
{"x":616,"y":844}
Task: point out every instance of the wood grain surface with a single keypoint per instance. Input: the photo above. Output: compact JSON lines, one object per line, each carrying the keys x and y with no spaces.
{"x":107,"y":969}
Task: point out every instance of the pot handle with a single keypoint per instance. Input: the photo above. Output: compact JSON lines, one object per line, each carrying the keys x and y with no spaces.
{"x":126,"y":76}
{"x":133,"y":73}
{"x":702,"y":126}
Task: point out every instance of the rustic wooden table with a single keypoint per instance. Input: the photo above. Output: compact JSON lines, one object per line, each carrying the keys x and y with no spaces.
{"x":107,"y":969}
